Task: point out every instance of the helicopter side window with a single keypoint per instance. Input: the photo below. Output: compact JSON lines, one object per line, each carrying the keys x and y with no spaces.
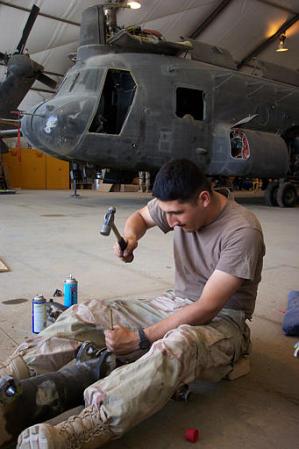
{"x":116,"y":99}
{"x":239,"y":145}
{"x":87,"y":81}
{"x":190,"y":102}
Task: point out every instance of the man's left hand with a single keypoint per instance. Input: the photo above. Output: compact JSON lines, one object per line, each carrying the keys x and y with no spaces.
{"x":121,"y":340}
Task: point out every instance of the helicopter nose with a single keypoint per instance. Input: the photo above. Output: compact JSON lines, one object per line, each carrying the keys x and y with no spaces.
{"x":56,"y":126}
{"x":38,"y":124}
{"x":27,"y":123}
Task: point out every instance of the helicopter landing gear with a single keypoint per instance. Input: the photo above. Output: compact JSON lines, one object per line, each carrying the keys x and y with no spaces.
{"x":286,"y":195}
{"x":271,"y":193}
{"x":282,"y":194}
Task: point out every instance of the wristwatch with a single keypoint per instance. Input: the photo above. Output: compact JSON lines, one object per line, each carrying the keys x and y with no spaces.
{"x":144,"y":342}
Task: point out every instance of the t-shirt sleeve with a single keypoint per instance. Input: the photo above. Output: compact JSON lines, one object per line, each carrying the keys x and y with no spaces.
{"x":241,"y":253}
{"x":158,"y":215}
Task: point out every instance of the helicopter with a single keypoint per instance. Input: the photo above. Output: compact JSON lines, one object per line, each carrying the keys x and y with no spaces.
{"x":21,"y":73}
{"x":134,"y":100}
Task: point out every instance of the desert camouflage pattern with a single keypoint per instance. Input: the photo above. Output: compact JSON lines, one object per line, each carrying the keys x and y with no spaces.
{"x":137,"y":390}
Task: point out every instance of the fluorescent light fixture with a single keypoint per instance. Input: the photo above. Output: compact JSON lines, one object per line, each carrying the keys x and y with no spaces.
{"x":133,"y":5}
{"x":281,"y":45}
{"x":128,"y":4}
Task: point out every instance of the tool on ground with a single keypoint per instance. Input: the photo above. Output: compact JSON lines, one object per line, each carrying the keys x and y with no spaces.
{"x":39,"y":314}
{"x":70,"y":290}
{"x":182,"y":394}
{"x":109,"y":224}
{"x":57,"y":293}
{"x":54,"y":310}
{"x":192,"y":435}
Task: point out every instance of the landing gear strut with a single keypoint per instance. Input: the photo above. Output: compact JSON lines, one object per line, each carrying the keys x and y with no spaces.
{"x":74,"y":178}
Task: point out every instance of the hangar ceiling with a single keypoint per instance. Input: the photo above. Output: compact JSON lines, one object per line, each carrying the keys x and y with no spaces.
{"x":246,"y":28}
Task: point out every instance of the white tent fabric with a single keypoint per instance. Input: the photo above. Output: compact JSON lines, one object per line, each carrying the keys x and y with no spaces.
{"x":240,"y":27}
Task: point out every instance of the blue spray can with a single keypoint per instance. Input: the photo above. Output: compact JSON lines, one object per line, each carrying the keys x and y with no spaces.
{"x":70,"y":290}
{"x":39,"y":314}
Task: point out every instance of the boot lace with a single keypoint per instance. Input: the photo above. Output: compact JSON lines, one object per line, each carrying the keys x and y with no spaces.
{"x":81,"y":429}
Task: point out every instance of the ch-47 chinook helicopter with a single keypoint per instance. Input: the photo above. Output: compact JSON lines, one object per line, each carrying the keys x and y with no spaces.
{"x":131,"y":103}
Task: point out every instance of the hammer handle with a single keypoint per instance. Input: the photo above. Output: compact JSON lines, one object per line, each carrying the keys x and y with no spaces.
{"x":123,"y":244}
{"x":121,"y":241}
{"x":116,"y":232}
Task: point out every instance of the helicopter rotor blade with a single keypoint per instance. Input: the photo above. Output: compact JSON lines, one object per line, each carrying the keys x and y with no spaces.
{"x":29,"y":24}
{"x":10,"y":122}
{"x":47,"y":80}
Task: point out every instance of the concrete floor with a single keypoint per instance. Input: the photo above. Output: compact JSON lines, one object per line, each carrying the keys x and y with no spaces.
{"x":45,"y":235}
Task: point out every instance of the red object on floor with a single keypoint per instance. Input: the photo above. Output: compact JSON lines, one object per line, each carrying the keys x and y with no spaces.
{"x":191,"y":435}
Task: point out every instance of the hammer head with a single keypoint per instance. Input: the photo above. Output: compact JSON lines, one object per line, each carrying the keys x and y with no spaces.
{"x":108,"y":221}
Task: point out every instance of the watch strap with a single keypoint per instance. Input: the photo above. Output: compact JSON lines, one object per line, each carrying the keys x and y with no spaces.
{"x":144,"y":342}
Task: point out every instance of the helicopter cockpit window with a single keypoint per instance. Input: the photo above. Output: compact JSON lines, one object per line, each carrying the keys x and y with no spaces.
{"x":116,"y":99}
{"x":83,"y":82}
{"x":66,"y":84}
{"x":190,"y":102}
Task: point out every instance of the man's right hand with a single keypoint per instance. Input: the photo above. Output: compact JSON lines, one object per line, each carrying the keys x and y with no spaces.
{"x":126,"y":255}
{"x":135,"y":227}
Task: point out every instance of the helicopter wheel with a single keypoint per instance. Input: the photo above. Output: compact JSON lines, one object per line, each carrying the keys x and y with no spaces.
{"x":271,"y":194}
{"x":286,"y":195}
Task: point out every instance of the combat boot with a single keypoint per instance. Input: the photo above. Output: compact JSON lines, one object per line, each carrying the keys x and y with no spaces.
{"x":15,"y":367}
{"x":84,"y":431}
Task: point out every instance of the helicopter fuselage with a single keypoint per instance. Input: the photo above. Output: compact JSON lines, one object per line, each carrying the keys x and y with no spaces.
{"x":136,"y":111}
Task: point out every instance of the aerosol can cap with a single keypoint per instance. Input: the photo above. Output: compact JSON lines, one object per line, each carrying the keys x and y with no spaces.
{"x":70,"y":279}
{"x":39,"y":297}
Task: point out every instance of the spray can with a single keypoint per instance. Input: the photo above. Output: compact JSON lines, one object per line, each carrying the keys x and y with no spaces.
{"x":70,"y":289}
{"x":39,"y":314}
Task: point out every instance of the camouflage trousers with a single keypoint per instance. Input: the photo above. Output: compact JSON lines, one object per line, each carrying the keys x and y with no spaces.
{"x":134,"y":391}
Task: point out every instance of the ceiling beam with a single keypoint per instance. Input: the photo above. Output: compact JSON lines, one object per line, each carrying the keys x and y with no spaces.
{"x":260,"y":48}
{"x":209,"y":19}
{"x":48,"y":16}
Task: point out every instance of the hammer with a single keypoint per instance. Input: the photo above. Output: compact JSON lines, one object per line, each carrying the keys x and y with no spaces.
{"x":109,"y":224}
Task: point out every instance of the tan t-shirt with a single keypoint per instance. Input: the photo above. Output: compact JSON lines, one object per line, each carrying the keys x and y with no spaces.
{"x":232,"y":243}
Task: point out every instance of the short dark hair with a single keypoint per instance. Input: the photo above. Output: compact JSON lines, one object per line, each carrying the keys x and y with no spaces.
{"x":181,"y":180}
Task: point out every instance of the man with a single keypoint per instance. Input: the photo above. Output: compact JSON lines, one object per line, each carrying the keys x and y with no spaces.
{"x":198,"y":331}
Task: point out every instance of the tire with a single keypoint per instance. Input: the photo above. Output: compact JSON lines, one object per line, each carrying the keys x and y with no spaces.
{"x":271,"y":194}
{"x":286,"y":195}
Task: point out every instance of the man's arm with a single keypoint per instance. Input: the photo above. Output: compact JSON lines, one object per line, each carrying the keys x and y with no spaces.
{"x":217,"y":291}
{"x":135,"y":227}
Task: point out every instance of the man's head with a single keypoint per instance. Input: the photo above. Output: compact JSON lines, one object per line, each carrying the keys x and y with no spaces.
{"x":184,"y":193}
{"x":180,"y":180}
